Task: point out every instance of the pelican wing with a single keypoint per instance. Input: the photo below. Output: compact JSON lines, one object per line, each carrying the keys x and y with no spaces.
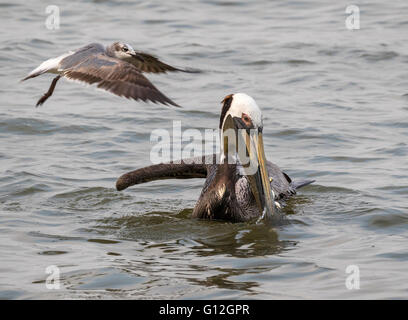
{"x":185,"y":169}
{"x":117,"y":77}
{"x":282,"y":184}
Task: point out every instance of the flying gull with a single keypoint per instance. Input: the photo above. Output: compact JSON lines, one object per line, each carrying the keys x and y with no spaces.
{"x":117,"y":68}
{"x":231,"y":192}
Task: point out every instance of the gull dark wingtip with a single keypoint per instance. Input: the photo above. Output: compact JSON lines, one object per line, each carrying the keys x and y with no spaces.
{"x":175,"y":104}
{"x":191,"y":70}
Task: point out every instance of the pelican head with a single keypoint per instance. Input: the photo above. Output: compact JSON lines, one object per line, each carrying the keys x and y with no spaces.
{"x":241,"y":129}
{"x":242,"y":106}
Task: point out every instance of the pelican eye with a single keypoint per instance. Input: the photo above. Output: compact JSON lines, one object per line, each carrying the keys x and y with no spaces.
{"x":247,"y":119}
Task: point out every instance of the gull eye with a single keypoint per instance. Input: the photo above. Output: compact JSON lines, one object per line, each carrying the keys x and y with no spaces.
{"x":125,"y":49}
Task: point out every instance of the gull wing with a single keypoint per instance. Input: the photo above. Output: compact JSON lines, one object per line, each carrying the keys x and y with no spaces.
{"x":116,"y":76}
{"x":150,"y":64}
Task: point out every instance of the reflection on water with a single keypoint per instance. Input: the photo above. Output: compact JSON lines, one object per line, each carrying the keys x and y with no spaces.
{"x":193,"y":249}
{"x":335,"y":110}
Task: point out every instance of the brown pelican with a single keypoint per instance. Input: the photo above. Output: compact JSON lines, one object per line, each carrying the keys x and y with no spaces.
{"x":117,"y":68}
{"x":234,"y":190}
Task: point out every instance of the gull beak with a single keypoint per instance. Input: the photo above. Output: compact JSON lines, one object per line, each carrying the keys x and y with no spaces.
{"x":134,"y":54}
{"x":248,"y":147}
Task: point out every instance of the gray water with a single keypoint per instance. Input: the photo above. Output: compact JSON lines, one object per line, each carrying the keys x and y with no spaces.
{"x":335,"y":104}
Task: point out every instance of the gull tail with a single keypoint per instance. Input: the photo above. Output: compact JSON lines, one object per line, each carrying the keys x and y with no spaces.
{"x":50,"y":65}
{"x":42,"y":68}
{"x":32,"y":75}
